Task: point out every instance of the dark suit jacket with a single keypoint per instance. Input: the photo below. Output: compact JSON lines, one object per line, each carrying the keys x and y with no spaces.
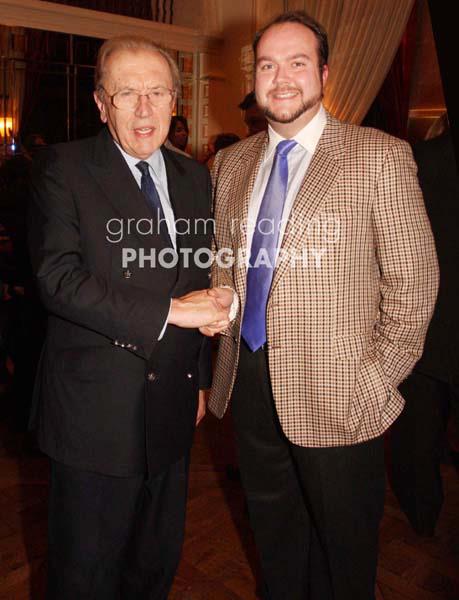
{"x":438,"y":177}
{"x":109,"y":397}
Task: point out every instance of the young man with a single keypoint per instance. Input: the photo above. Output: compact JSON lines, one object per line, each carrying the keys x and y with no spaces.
{"x":335,"y":303}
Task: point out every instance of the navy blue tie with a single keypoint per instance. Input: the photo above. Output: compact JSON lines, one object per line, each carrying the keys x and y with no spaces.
{"x":147,"y":185}
{"x":264,"y":249}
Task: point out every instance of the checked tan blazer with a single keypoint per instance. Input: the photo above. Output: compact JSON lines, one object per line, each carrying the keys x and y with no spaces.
{"x":346,"y":323}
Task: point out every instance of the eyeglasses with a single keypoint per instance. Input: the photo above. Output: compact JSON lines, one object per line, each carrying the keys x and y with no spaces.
{"x":129,"y":99}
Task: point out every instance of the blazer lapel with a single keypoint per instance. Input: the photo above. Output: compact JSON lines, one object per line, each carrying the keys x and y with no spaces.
{"x":117,"y":183}
{"x":183,"y":203}
{"x":323,"y":172}
{"x":183,"y":198}
{"x":248,"y":167}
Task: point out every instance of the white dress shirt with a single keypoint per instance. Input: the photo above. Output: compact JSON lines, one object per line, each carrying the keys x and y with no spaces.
{"x":168,"y":144}
{"x":157,"y":170}
{"x":298,"y":162}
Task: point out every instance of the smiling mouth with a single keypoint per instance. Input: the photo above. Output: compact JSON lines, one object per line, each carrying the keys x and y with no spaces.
{"x":284,"y":94}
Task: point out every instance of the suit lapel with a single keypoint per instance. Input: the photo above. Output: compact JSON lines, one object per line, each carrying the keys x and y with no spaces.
{"x":183,"y":203}
{"x":117,"y":183}
{"x":323,"y":173}
{"x":247,"y":169}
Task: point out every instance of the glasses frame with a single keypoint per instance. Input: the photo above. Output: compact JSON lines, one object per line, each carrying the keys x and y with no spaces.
{"x":173,"y":94}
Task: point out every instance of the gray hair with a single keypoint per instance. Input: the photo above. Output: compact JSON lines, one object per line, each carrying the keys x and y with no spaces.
{"x":133,"y":43}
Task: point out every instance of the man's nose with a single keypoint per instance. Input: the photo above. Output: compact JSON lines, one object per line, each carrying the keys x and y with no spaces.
{"x":143,"y":108}
{"x":281,"y":74}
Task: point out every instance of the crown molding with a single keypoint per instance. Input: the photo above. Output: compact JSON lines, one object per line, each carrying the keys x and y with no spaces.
{"x":49,"y":16}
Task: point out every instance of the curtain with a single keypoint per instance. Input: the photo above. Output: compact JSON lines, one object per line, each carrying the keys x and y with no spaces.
{"x":389,"y":110}
{"x":364,"y":37}
{"x":329,"y":14}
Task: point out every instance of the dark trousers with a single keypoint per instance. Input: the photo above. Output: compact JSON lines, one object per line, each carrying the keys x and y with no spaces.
{"x":418,"y":440}
{"x":315,"y":512}
{"x":114,"y":538}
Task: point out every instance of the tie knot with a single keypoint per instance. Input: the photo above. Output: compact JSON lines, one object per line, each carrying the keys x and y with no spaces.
{"x":284,"y":147}
{"x":143,"y":167}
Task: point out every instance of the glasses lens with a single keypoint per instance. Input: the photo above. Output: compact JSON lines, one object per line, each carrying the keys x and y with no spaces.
{"x":160,"y":96}
{"x":129,"y":99}
{"x":126,"y":99}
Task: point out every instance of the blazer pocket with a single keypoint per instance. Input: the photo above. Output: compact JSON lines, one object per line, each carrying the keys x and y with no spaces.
{"x":351,"y":347}
{"x":366,"y":396}
{"x":371,"y":395}
{"x":371,"y":383}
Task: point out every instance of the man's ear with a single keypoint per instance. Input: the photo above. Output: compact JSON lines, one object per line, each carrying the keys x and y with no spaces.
{"x":324,"y":74}
{"x":101,"y":106}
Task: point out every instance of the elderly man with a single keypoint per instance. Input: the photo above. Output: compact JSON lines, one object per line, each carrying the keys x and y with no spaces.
{"x":335,"y":302}
{"x":117,"y":393}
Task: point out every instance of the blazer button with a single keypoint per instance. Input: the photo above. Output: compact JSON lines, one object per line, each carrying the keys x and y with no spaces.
{"x":151,"y":376}
{"x":127,"y":274}
{"x":189,"y":375}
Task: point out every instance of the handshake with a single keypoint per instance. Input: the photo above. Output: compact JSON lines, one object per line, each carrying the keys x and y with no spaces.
{"x":207,"y":310}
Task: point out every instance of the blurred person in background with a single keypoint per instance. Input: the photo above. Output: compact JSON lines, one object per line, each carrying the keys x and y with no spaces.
{"x":23,"y":321}
{"x":431,"y":392}
{"x":254,"y":117}
{"x":217,"y":143}
{"x":177,"y":138}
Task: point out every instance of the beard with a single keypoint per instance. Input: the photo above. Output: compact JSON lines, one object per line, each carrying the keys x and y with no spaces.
{"x":285,"y":116}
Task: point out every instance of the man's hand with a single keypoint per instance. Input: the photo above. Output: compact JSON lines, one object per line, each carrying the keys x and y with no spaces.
{"x":224,"y":297}
{"x":200,"y":308}
{"x":202,"y":406}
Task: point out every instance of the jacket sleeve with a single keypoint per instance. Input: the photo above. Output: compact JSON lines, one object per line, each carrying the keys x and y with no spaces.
{"x":222,"y":247}
{"x":205,"y":354}
{"x":408,"y":264}
{"x":222,"y":238}
{"x":67,"y":286}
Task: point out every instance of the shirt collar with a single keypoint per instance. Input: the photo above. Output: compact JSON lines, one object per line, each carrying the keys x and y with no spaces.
{"x":154,"y":160}
{"x":307,"y":138}
{"x":170,"y":146}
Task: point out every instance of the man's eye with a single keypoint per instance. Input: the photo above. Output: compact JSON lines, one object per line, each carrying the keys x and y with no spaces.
{"x":126,"y":94}
{"x":297,"y":64}
{"x":266,"y":66}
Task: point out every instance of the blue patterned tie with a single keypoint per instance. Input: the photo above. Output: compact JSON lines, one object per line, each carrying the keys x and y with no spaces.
{"x":265,"y":238}
{"x":147,"y":185}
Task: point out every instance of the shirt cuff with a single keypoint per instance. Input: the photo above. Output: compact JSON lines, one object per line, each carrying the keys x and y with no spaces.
{"x":234,"y":308}
{"x":163,"y":330}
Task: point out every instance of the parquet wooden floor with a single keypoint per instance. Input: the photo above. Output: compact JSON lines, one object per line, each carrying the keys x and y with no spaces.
{"x":219,"y":560}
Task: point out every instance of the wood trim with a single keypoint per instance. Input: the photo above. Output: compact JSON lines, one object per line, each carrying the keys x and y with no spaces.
{"x":39,"y":14}
{"x":426,"y":113}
